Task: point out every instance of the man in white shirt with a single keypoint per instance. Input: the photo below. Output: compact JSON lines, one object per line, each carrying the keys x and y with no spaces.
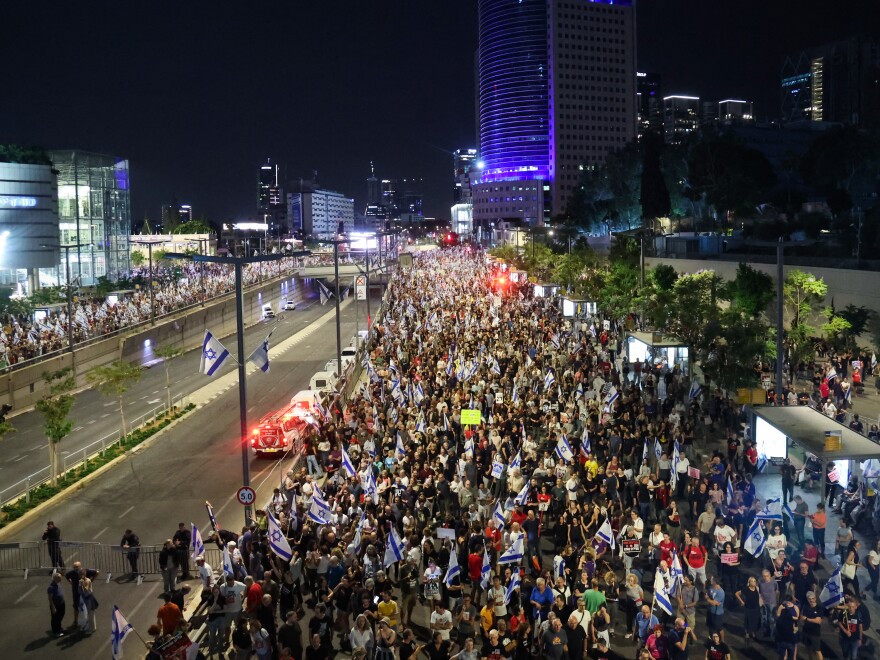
{"x":206,"y":576}
{"x":723,"y":534}
{"x":441,"y":621}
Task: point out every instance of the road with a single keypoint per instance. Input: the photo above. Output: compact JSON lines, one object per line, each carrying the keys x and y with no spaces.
{"x":154,"y":489}
{"x":97,"y":416}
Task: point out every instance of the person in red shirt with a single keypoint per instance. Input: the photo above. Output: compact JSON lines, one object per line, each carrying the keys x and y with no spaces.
{"x":751,"y":454}
{"x":666,"y":549}
{"x":253,"y":596}
{"x":517,"y":515}
{"x":695,"y":558}
{"x":493,"y":536}
{"x":475,"y":568}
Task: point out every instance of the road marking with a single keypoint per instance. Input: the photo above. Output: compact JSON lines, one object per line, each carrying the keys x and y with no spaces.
{"x":18,"y":459}
{"x":92,"y":422}
{"x":155,"y":391}
{"x":99,"y":533}
{"x":150,"y":595}
{"x":78,"y":428}
{"x":126,"y":512}
{"x":12,"y":460}
{"x":26,"y":594}
{"x":44,"y":446}
{"x":112,"y":403}
{"x":152,"y":401}
{"x":105,"y":415}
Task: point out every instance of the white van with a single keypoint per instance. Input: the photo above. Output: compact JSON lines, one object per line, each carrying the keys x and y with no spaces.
{"x":268,"y":312}
{"x":359,"y":338}
{"x":349,"y":353}
{"x":323,"y":381}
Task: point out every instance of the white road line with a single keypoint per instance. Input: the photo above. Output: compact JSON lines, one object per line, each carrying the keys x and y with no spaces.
{"x":18,"y":459}
{"x":92,"y":422}
{"x":130,"y":613}
{"x":78,"y":428}
{"x":112,"y":403}
{"x":45,"y":446}
{"x":126,"y":512}
{"x":155,"y":391}
{"x":105,"y":415}
{"x":152,"y":401}
{"x":12,"y":460}
{"x":26,"y":594}
{"x":99,"y":533}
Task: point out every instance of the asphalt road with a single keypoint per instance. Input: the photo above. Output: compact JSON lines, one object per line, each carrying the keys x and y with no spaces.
{"x":154,"y":489}
{"x":96,"y":416}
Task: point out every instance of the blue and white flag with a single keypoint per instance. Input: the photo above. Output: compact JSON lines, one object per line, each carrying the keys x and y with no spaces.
{"x":554,"y":339}
{"x":227,"y":562}
{"x":372,"y":488}
{"x":198,"y":545}
{"x":453,"y":570}
{"x":319,"y":511}
{"x":873,"y":361}
{"x":563,"y":449}
{"x":513,"y":554}
{"x":695,"y":390}
{"x":515,"y":397}
{"x":658,"y":448}
{"x":394,"y":550}
{"x":549,"y":379}
{"x":357,"y":533}
{"x":611,"y":396}
{"x":277,"y":541}
{"x":523,"y":495}
{"x":771,"y":511}
{"x":645,"y":451}
{"x":347,"y":465}
{"x":398,"y":447}
{"x":445,"y":422}
{"x":832,"y":592}
{"x":586,"y":448}
{"x":580,"y":390}
{"x":755,"y":539}
{"x":420,"y":425}
{"x":832,"y":374}
{"x":485,"y":570}
{"x":213,"y":355}
{"x":260,"y":356}
{"x":119,"y":629}
{"x":675,"y":571}
{"x":517,"y":460}
{"x":730,"y":493}
{"x":418,"y":394}
{"x":661,"y":594}
{"x":605,"y":533}
{"x":320,"y":407}
{"x":676,"y":459}
{"x":787,"y":511}
{"x":498,"y":515}
{"x":513,"y":585}
{"x":496,"y":368}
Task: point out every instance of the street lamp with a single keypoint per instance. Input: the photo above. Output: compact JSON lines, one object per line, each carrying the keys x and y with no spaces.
{"x":238,"y":262}
{"x":336,"y":242}
{"x":67,"y":249}
{"x":150,"y":245}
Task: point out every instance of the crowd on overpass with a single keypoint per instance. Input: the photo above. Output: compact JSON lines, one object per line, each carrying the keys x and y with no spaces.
{"x":177,"y":286}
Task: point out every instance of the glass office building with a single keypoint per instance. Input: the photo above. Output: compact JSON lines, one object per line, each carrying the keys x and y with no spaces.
{"x":94,"y":210}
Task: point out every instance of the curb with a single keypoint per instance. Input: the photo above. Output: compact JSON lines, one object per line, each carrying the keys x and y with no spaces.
{"x":17,"y":524}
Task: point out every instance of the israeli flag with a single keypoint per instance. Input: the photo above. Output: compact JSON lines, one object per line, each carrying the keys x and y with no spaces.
{"x":605,"y":533}
{"x":512,"y":586}
{"x":319,"y":511}
{"x":675,"y":571}
{"x":787,"y":511}
{"x":563,"y":449}
{"x":399,"y":448}
{"x":517,"y":460}
{"x":418,"y":394}
{"x":832,"y":374}
{"x":586,"y":448}
{"x":549,"y":379}
{"x":871,"y":468}
{"x":454,"y":569}
{"x":420,"y":425}
{"x":277,"y":541}
{"x":661,"y":594}
{"x":372,"y":489}
{"x":119,"y":630}
{"x":496,"y":368}
{"x":612,"y":396}
{"x":513,"y":554}
{"x":755,"y":539}
{"x":227,"y":562}
{"x":213,"y":355}
{"x":695,"y":390}
{"x":394,"y":550}
{"x":260,"y":356}
{"x":498,"y":515}
{"x":347,"y":465}
{"x":730,"y":493}
{"x":198,"y":545}
{"x":449,"y":367}
{"x":523,"y":495}
{"x":676,"y":459}
{"x":320,"y":408}
{"x":515,"y":397}
{"x":832,"y":592}
{"x":357,"y":534}
{"x":762,"y":463}
{"x":873,"y":361}
{"x":554,"y":339}
{"x":445,"y":422}
{"x":771,"y":511}
{"x":486,"y":570}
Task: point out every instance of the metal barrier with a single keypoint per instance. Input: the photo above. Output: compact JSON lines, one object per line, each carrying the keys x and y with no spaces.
{"x":109,"y":559}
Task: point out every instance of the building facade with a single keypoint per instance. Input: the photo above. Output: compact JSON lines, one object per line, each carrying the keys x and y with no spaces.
{"x":94,"y":210}
{"x":838,"y":82}
{"x":320,"y":214}
{"x":681,"y":117}
{"x":735,"y":111}
{"x":557,"y":93}
{"x":649,"y":101}
{"x":462,"y":162}
{"x":271,"y":206}
{"x":29,"y":226}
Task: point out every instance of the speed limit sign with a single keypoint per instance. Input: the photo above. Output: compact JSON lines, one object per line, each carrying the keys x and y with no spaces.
{"x":246,"y":495}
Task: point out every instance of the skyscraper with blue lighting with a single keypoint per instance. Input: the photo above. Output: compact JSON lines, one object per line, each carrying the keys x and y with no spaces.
{"x":557,"y":93}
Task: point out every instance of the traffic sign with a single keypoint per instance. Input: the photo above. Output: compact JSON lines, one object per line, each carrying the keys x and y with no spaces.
{"x":246,"y":495}
{"x":360,"y":287}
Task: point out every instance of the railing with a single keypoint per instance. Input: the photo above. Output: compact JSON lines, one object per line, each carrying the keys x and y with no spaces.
{"x":109,"y":559}
{"x":82,"y":456}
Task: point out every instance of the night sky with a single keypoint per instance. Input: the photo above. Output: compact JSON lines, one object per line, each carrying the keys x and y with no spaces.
{"x":197,"y":94}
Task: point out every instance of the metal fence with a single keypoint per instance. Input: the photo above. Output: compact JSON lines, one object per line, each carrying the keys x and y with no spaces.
{"x":109,"y":559}
{"x":74,"y":460}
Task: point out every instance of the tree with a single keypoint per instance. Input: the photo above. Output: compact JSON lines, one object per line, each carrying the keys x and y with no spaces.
{"x":115,"y":379}
{"x":193,"y":227}
{"x":803,"y":295}
{"x":571,"y":270}
{"x":55,"y":407}
{"x":5,"y":429}
{"x":168,"y":353}
{"x":694,"y":306}
{"x":137,"y":258}
{"x":751,"y":291}
{"x":619,"y":289}
{"x":657,"y":295}
{"x":653,"y":194}
{"x":733,"y":344}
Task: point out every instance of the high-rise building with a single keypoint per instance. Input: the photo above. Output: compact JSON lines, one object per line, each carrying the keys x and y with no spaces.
{"x":557,"y":93}
{"x":681,"y":117}
{"x":319,"y":213}
{"x":649,"y":101}
{"x":271,"y":206}
{"x":462,"y":162}
{"x":173,"y":215}
{"x":735,"y":111}
{"x":836,"y":82}
{"x":374,"y":190}
{"x":94,"y":209}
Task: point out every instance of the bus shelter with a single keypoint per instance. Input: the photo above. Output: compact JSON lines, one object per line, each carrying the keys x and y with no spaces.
{"x":545,"y":290}
{"x":578,"y":308}
{"x":655,"y":348}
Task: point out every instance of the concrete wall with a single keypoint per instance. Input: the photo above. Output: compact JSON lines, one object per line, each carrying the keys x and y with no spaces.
{"x":24,"y":387}
{"x":845,"y":287}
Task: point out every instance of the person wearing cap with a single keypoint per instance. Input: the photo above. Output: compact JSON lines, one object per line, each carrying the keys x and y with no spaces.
{"x":385,"y":639}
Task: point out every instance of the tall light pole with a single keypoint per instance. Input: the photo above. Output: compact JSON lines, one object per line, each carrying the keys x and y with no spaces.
{"x":203,"y":250}
{"x":780,"y":350}
{"x":67,"y":249}
{"x":150,"y":245}
{"x":238,"y":262}
{"x":336,"y":242}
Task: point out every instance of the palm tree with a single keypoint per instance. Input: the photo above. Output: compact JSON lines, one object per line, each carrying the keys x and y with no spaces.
{"x":115,"y":379}
{"x":55,"y":407}
{"x":168,"y":353}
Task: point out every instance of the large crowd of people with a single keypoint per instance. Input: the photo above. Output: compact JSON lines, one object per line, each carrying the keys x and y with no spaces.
{"x":585,"y":514}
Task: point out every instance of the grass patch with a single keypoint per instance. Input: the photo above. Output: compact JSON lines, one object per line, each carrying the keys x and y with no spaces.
{"x":39,"y":494}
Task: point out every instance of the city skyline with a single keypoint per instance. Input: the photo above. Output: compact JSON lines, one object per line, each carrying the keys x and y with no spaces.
{"x":195,"y":106}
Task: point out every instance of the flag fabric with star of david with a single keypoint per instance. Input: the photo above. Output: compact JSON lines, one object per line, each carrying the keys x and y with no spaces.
{"x":277,"y":540}
{"x":213,"y":355}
